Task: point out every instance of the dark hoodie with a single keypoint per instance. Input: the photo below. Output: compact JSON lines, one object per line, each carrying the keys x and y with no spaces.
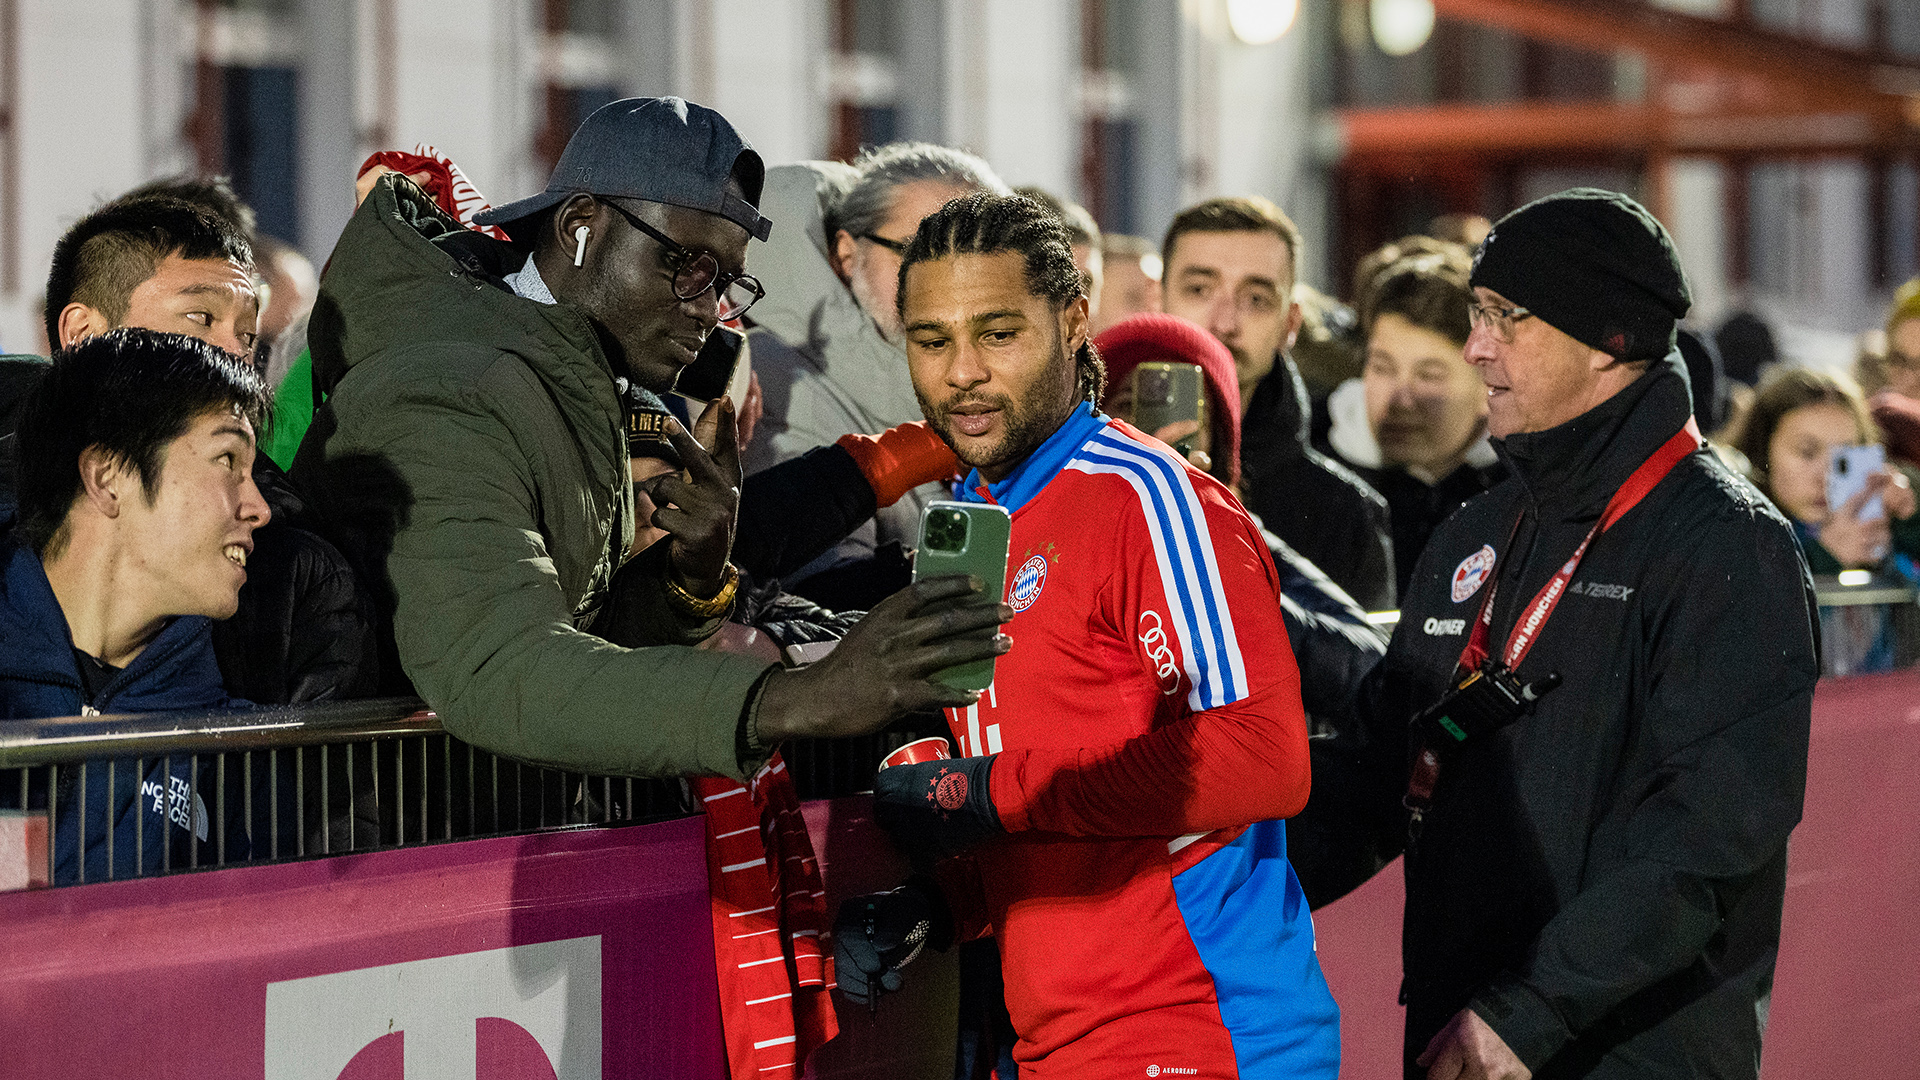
{"x":40,"y":677}
{"x":18,"y":376}
{"x":1321,"y":508}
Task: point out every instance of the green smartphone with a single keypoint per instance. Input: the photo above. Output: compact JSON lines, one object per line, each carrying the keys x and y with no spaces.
{"x":966,"y":538}
{"x":1167,"y":393}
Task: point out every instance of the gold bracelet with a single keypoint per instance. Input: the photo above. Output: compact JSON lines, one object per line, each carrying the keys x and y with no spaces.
{"x":711,"y":608}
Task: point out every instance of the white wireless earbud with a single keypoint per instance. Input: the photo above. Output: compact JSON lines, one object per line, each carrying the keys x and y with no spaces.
{"x":580,"y":244}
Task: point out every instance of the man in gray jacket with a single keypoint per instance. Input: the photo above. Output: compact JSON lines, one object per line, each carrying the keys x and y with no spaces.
{"x":825,"y":340}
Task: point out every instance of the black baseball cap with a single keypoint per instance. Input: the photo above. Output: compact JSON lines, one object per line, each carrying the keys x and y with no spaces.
{"x":663,"y":150}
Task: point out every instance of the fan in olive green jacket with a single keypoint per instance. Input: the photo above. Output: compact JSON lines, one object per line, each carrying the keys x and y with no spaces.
{"x":472,"y":461}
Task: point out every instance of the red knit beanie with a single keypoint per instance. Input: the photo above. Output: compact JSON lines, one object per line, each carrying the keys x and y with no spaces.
{"x":1139,"y":339}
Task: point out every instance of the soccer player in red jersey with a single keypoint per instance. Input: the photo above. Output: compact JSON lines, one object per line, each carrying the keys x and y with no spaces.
{"x":1116,"y":808}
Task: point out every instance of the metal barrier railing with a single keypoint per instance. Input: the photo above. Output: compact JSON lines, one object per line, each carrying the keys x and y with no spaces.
{"x":137,"y":795}
{"x":1868,"y":622}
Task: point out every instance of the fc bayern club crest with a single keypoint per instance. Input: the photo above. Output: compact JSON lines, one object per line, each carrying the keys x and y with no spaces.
{"x":1027,"y":583}
{"x":1472,"y":573}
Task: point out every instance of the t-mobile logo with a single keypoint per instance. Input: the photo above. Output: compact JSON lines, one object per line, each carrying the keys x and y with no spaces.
{"x":530,"y":1012}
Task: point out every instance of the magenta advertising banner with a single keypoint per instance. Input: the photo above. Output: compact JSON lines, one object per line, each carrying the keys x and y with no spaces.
{"x":580,"y":954}
{"x":1846,"y":994}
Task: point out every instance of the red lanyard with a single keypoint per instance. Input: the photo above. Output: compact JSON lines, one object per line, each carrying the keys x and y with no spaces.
{"x":1425,"y":773}
{"x":1527,"y":630}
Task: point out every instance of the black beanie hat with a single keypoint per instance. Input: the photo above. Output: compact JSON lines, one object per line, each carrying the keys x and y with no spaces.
{"x":1594,"y":265}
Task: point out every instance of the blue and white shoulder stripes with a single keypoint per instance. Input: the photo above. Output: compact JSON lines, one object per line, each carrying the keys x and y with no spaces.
{"x":1189,"y":569}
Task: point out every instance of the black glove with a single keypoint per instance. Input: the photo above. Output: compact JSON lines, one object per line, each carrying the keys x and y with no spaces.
{"x":878,"y":934}
{"x":937,"y":807}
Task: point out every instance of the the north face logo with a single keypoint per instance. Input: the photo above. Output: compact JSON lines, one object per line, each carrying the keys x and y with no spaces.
{"x":530,"y":1012}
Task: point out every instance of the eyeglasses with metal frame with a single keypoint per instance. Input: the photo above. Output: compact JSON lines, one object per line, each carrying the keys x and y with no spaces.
{"x":1497,"y":320}
{"x":694,"y":272}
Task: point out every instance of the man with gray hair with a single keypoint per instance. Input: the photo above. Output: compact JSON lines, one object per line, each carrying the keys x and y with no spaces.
{"x":826,"y":341}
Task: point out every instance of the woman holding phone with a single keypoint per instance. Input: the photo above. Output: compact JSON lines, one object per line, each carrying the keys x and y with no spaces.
{"x":1800,"y":418}
{"x":1802,"y":436}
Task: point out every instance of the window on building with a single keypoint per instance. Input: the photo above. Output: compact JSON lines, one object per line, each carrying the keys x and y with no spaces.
{"x":1900,"y":27}
{"x":246,"y":119}
{"x":863,"y":76}
{"x":1466,"y":62}
{"x":1110,"y":128}
{"x":578,"y":61}
{"x":1900,"y":227}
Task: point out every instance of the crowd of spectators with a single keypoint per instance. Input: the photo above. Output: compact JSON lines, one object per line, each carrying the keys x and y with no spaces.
{"x":473,"y":481}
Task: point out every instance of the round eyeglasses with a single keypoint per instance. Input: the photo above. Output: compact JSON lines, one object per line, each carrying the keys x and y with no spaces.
{"x":694,"y":272}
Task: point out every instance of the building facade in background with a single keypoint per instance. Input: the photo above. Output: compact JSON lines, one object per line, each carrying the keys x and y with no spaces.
{"x":1135,"y":107}
{"x":1778,"y":139}
{"x":1791,"y":191}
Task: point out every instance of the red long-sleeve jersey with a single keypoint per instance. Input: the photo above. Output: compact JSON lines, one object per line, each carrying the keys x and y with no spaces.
{"x":1149,"y":736}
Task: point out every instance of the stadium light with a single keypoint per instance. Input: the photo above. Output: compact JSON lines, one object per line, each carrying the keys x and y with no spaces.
{"x":1261,"y":22}
{"x":1400,"y":27}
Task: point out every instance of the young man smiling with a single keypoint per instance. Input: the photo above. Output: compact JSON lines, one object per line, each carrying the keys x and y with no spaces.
{"x":1126,"y":773}
{"x":136,"y":519}
{"x":174,"y":257}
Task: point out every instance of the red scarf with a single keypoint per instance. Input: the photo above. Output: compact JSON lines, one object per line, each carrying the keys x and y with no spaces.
{"x":444,"y":182}
{"x":769,"y":910}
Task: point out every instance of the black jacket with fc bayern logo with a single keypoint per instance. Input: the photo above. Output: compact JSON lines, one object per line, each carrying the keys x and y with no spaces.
{"x":1601,"y":881}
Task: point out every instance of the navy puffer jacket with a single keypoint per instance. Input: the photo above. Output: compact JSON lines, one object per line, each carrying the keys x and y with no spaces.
{"x":138,"y":807}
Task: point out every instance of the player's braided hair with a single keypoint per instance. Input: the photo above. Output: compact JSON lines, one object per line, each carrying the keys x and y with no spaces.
{"x":987,"y":224}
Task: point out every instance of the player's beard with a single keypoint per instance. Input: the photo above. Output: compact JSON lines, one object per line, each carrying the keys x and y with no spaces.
{"x":1025,"y":422}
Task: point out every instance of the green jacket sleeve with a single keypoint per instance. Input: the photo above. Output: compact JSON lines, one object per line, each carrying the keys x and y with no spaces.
{"x":483,"y":626}
{"x":1727,"y":714}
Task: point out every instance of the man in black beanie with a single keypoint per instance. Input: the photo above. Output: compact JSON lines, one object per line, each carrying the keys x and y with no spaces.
{"x":1589,"y":734}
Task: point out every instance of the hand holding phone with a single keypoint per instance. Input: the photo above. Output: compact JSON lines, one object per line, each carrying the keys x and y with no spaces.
{"x":1168,"y":393}
{"x":965,"y":538}
{"x":1849,"y":471}
{"x":887,"y":666}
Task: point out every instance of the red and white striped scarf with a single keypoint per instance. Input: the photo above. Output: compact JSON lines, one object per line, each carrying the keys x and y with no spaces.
{"x":445,"y":182}
{"x":769,"y":910}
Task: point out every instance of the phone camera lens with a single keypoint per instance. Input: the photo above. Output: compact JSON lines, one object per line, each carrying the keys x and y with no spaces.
{"x":1156,"y":387}
{"x":947,"y":531}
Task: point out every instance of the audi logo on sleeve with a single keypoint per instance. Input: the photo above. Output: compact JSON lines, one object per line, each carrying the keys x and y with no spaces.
{"x":1153,"y":638}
